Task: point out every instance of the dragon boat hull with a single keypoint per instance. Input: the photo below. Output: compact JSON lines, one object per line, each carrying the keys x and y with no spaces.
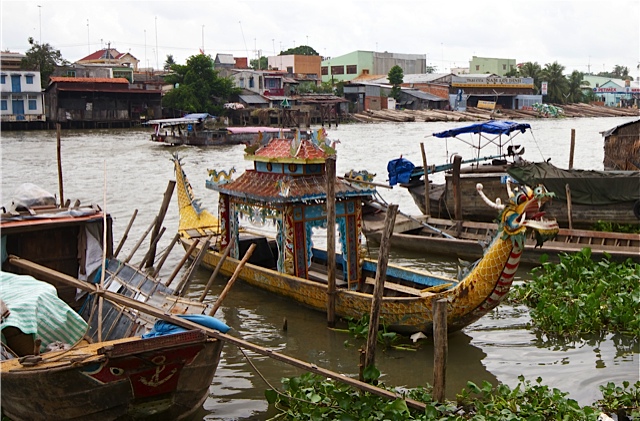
{"x":408,"y":296}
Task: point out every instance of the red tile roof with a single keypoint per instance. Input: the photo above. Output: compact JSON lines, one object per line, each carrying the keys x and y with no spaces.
{"x":102,"y":54}
{"x":288,"y":150}
{"x":282,"y":188}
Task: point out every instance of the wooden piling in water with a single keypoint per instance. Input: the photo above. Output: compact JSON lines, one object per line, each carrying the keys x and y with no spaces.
{"x":457,"y":190}
{"x":378,"y":289}
{"x":427,"y":204}
{"x":573,"y":147}
{"x":126,"y":233}
{"x":330,"y":165}
{"x":151,"y":254}
{"x":440,"y":349}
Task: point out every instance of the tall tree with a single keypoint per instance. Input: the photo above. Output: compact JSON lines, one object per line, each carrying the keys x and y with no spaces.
{"x":558,"y":86}
{"x":575,"y":87}
{"x":302,"y":50}
{"x":168,"y":63}
{"x":198,"y":88}
{"x":43,"y":58}
{"x":396,"y":77}
{"x":260,"y":64}
{"x":619,"y":72}
{"x":532,"y":70}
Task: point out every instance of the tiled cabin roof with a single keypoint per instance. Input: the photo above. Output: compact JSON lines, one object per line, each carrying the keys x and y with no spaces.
{"x":283,"y":188}
{"x":282,"y":150}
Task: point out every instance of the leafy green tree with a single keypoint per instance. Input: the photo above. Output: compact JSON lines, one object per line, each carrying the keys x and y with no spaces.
{"x":259,"y":64}
{"x":396,"y":77}
{"x":430,"y":69}
{"x":558,"y":85}
{"x":168,"y":62}
{"x":198,"y":88}
{"x":303,"y":50}
{"x":43,"y":58}
{"x":532,"y":70}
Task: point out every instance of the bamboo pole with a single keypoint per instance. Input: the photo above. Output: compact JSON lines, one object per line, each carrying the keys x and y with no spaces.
{"x":151,"y":254}
{"x":126,"y":233}
{"x":378,"y":289}
{"x":165,"y":255}
{"x":440,"y":350}
{"x":330,"y":164}
{"x":232,"y":280}
{"x":59,"y":153}
{"x":217,"y":269}
{"x":427,"y":202}
{"x":186,"y":280}
{"x":182,"y":262}
{"x":153,"y":244}
{"x":47,"y":274}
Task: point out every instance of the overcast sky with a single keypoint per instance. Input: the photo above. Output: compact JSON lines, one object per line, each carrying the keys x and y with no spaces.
{"x":579,"y":34}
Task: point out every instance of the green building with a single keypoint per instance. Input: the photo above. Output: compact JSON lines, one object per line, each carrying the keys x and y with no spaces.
{"x":349,"y":66}
{"x":497,"y":66}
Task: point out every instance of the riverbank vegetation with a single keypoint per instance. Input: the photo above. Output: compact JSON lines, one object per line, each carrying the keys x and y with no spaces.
{"x":580,"y":296}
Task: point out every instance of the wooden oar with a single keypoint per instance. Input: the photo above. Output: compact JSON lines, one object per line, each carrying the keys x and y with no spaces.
{"x":47,"y":274}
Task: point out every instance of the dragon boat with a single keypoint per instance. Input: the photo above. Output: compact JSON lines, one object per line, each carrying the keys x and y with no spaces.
{"x":288,"y":186}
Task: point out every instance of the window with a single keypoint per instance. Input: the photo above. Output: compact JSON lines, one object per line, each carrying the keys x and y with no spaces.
{"x":33,"y":105}
{"x":242,"y":82}
{"x":352,"y":69}
{"x":29,"y":79}
{"x":504,"y":67}
{"x":337,"y":70}
{"x":324,"y":70}
{"x":71,"y":73}
{"x":290,"y":70}
{"x":3,"y":105}
{"x":251,"y":84}
{"x":3,"y":79}
{"x":477,"y":67}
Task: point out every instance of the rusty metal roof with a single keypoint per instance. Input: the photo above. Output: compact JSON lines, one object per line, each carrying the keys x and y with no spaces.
{"x":60,"y":79}
{"x":282,"y":188}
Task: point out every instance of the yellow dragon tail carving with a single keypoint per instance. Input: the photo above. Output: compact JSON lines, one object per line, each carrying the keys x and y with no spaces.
{"x":192,"y":215}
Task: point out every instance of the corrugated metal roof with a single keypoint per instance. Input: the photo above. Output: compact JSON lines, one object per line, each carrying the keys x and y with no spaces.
{"x":253,"y":99}
{"x":225,"y":59}
{"x":422,"y":95}
{"x":60,"y":79}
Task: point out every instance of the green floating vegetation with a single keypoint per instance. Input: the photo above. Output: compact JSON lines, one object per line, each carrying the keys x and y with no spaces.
{"x":581,"y":296}
{"x":607,"y":226}
{"x":312,"y":397}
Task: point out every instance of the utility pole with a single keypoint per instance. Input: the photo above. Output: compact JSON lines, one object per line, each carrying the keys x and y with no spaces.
{"x":40,"y":19}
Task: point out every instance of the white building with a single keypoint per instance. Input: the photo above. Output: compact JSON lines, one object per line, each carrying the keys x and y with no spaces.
{"x":21,"y":97}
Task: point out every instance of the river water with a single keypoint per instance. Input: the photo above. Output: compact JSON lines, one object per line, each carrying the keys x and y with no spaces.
{"x":498,"y":348}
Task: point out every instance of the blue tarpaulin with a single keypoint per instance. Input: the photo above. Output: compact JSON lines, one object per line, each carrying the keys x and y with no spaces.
{"x":399,"y":171}
{"x":491,"y":127}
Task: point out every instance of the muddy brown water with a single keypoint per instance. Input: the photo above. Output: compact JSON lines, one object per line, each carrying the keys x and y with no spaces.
{"x":498,"y":348}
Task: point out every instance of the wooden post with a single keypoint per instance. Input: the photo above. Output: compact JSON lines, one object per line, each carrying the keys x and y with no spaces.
{"x":440,"y":350}
{"x":59,"y":150}
{"x":573,"y":147}
{"x":330,"y":165}
{"x":457,"y":194}
{"x":378,"y":289}
{"x":126,"y":233}
{"x":153,"y":244}
{"x":48,"y":275}
{"x":427,"y":204}
{"x":151,"y":254}
{"x":233,"y":278}
{"x":217,"y":269}
{"x":569,"y":212}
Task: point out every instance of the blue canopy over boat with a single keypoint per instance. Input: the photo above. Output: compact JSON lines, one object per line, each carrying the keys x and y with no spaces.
{"x":491,"y":127}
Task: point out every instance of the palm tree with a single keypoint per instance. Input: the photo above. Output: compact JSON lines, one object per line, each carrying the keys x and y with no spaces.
{"x":575,"y":93}
{"x":532,"y":70}
{"x":558,"y":85}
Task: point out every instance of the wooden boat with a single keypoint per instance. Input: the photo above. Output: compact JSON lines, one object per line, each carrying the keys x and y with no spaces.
{"x":287,"y":185}
{"x":200,"y":129}
{"x":467,"y":240}
{"x":609,"y":196}
{"x":112,"y":371}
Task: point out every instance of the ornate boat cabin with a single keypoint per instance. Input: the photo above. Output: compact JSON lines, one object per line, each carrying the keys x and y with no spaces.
{"x":288,"y":185}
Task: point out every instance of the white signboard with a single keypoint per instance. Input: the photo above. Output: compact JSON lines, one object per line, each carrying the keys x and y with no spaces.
{"x":544,"y":88}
